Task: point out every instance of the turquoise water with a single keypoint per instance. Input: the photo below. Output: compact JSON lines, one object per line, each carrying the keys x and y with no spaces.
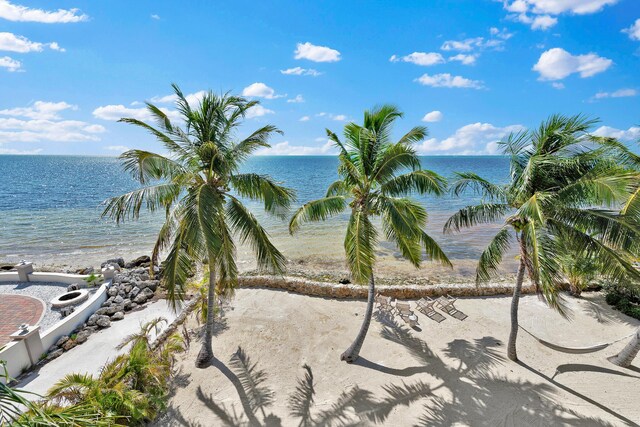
{"x":50,"y":207}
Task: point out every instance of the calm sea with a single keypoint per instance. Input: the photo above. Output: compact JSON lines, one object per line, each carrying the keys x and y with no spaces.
{"x":50,"y":208}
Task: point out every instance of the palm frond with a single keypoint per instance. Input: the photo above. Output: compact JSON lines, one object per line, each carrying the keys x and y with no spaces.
{"x":317,"y":210}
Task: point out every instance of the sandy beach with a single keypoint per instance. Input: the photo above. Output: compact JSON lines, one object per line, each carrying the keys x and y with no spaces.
{"x":456,"y":371}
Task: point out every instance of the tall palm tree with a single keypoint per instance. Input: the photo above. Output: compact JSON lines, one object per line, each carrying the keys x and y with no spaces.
{"x":197,"y":185}
{"x":376,"y":176}
{"x":564,"y":184}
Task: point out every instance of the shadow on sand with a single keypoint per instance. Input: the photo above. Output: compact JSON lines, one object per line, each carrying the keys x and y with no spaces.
{"x":474,"y":395}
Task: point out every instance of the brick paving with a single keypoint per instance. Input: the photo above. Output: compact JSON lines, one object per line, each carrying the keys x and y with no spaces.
{"x":16,"y":310}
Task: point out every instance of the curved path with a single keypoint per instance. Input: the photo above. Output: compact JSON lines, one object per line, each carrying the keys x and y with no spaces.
{"x":16,"y":310}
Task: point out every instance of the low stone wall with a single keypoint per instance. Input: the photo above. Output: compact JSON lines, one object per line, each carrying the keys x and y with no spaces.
{"x":330,"y":290}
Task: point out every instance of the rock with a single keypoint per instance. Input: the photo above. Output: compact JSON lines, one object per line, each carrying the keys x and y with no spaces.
{"x":138,"y":262}
{"x":115,"y":266}
{"x":65,"y":311}
{"x":127,"y":289}
{"x":117,"y":316}
{"x":91,"y":321}
{"x":141,"y":298}
{"x":52,"y":355}
{"x":114,"y":309}
{"x":118,"y":261}
{"x":69,"y":345}
{"x":133,"y":306}
{"x":344,"y":281}
{"x":134,"y":292}
{"x":63,"y":339}
{"x":113,"y":290}
{"x":144,"y":276}
{"x":126,"y":304}
{"x":150,"y":284}
{"x":82,"y":336}
{"x":148,"y":292}
{"x":91,"y":329}
{"x":73,"y":287}
{"x":101,"y":311}
{"x":85,"y":271}
{"x":103,"y":321}
{"x":118,"y":299}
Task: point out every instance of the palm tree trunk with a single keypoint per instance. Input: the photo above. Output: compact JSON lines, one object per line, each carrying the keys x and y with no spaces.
{"x":626,"y":356}
{"x":511,"y":347}
{"x":353,"y":352}
{"x":205,"y":356}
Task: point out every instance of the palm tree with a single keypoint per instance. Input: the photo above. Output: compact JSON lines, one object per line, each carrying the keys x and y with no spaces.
{"x":564,"y":184}
{"x":197,"y":185}
{"x":376,"y":176}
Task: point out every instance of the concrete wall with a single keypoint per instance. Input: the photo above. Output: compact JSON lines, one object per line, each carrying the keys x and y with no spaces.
{"x":66,"y":325}
{"x":12,"y":276}
{"x":16,"y":357}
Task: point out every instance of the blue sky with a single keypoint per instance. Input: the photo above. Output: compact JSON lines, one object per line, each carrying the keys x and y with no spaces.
{"x":470,"y":70}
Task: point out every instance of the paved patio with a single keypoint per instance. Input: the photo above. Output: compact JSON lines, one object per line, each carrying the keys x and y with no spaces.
{"x":16,"y":310}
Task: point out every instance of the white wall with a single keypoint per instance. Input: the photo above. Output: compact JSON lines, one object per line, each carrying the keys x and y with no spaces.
{"x":12,"y":276}
{"x":17,"y":358}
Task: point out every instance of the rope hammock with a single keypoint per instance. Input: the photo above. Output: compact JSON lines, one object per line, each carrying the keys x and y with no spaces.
{"x":575,"y":350}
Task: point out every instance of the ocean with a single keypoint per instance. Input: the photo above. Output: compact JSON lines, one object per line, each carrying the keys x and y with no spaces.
{"x":50,"y":209}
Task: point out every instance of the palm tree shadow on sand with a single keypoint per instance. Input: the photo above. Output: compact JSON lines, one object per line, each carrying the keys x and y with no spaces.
{"x":474,"y":395}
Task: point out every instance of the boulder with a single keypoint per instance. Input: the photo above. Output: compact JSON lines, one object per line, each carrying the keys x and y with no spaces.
{"x":73,"y":287}
{"x":52,"y":355}
{"x":69,"y":345}
{"x":118,"y":299}
{"x":63,"y":339}
{"x":148,"y":292}
{"x":126,"y":304}
{"x":114,"y":309}
{"x":115,"y":266}
{"x":144,"y":276}
{"x":82,"y":336}
{"x":118,"y":261}
{"x":85,"y":271}
{"x":101,"y":311}
{"x":150,"y":284}
{"x":91,"y":329}
{"x":92,"y":319}
{"x":141,"y":298}
{"x":103,"y":321}
{"x":134,"y":292}
{"x":138,"y":262}
{"x":117,"y":316}
{"x":133,"y":306}
{"x":113,"y":290}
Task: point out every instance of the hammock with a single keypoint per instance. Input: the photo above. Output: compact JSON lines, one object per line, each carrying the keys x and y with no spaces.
{"x":575,"y":350}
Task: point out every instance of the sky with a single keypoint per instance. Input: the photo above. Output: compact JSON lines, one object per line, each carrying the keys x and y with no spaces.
{"x":472,"y":71}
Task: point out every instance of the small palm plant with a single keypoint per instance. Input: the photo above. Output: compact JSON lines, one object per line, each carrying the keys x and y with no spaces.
{"x":198,"y":185}
{"x":565,"y":184}
{"x":376,"y":176}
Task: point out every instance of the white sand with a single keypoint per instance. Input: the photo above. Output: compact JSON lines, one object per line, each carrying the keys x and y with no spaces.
{"x":463,"y":363}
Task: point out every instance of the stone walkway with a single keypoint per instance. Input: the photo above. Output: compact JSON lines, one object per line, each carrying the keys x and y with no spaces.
{"x":16,"y":310}
{"x":98,"y":350}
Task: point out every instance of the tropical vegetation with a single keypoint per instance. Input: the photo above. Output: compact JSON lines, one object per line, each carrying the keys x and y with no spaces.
{"x":198,"y":185}
{"x":566,"y":188}
{"x":376,"y":177}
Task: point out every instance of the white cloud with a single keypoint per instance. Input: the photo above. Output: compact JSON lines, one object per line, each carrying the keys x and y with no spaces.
{"x":557,"y":85}
{"x":420,"y":58}
{"x":192,"y":98}
{"x":620,"y":93}
{"x":297,"y":99}
{"x":117,"y":112}
{"x":462,"y":45}
{"x":339,"y":118}
{"x":41,"y":110}
{"x":19,"y":152}
{"x":475,"y":138}
{"x":18,"y":13}
{"x":260,"y":90}
{"x":447,"y":80}
{"x":118,"y":148}
{"x":258,"y":111}
{"x":464,"y":59}
{"x":557,"y":63}
{"x":304,"y":119}
{"x":286,"y":149}
{"x":155,"y":16}
{"x":12,"y":43}
{"x":633,"y":30}
{"x":299,"y":71}
{"x":433,"y":116}
{"x":631,"y":134}
{"x":539,"y":14}
{"x":16,"y":130}
{"x":10,"y":64}
{"x":316,"y":53}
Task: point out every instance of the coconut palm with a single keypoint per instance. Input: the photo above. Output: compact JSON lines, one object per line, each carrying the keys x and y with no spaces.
{"x":564,"y":184}
{"x":376,"y":176}
{"x":197,"y":185}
